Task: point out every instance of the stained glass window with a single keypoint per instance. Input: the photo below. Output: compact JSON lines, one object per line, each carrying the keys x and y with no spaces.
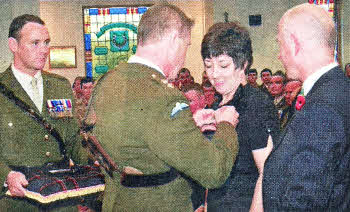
{"x":110,"y":36}
{"x":326,"y":4}
{"x":331,"y":7}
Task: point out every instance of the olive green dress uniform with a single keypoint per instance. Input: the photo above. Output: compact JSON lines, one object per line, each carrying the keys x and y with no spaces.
{"x":133,"y":106}
{"x":24,"y":142}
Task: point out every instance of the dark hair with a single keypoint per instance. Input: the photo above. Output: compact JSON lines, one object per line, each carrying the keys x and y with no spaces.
{"x":86,"y":80}
{"x":253,"y":70}
{"x":76,"y":81}
{"x":184,"y":70}
{"x":281,"y":74}
{"x":348,"y":64}
{"x":192,"y":86}
{"x":293,"y":80}
{"x":161,"y":18}
{"x":231,"y":39}
{"x":18,"y":23}
{"x":265,"y":70}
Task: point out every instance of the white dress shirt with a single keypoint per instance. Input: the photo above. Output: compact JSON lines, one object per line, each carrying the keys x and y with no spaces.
{"x":312,"y":79}
{"x":136,"y":59}
{"x":25,"y":81}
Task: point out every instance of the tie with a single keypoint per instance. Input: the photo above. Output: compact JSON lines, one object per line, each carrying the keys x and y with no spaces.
{"x":36,"y":94}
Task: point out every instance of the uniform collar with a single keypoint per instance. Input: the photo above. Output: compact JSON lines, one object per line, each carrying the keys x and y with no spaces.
{"x":137,"y":59}
{"x":25,"y":78}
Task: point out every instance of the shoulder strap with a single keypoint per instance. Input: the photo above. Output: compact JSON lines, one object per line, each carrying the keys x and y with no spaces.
{"x":34,"y":115}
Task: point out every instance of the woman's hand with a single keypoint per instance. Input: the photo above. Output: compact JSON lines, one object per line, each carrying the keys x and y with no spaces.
{"x":227,"y":114}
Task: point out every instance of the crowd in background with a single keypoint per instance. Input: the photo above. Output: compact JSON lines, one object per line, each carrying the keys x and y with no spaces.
{"x":283,"y":92}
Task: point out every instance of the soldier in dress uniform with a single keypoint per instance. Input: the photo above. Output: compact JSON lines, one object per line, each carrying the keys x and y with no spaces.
{"x":276,"y":89}
{"x":24,"y":142}
{"x":145,"y":125}
{"x":265,"y":76}
{"x":252,"y":76}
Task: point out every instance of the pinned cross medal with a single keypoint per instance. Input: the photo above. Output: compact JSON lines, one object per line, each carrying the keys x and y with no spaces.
{"x":60,"y":108}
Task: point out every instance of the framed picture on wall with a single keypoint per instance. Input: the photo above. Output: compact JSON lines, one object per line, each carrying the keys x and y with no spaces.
{"x":62,"y":57}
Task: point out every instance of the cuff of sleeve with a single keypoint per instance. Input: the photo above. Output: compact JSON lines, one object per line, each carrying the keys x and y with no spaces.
{"x":5,"y":170}
{"x":225,"y":131}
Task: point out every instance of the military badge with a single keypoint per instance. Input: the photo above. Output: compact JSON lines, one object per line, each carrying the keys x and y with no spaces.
{"x":178,"y":107}
{"x":60,"y":108}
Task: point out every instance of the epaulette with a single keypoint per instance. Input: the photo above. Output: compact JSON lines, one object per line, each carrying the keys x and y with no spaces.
{"x":162,"y":81}
{"x":179,"y":106}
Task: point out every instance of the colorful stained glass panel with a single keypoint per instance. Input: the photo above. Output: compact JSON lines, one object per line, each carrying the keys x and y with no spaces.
{"x":110,"y":36}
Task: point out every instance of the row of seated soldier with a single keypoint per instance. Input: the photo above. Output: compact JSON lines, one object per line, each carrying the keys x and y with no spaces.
{"x":283,"y":92}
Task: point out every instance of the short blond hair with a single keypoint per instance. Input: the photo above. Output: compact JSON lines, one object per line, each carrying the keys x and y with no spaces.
{"x":159,"y":19}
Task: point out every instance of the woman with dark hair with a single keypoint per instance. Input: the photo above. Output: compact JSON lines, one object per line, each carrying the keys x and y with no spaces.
{"x":227,"y":54}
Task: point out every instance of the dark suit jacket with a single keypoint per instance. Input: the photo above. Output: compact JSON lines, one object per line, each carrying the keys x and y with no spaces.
{"x":309,"y":169}
{"x":23,"y":141}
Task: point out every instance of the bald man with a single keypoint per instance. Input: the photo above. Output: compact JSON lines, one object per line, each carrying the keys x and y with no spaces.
{"x":291,"y":91}
{"x":309,"y":167}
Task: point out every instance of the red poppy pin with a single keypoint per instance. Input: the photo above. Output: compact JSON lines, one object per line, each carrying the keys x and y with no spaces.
{"x":300,"y":101}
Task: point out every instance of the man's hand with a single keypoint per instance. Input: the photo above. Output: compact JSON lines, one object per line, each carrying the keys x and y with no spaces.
{"x":200,"y":209}
{"x":205,"y":119}
{"x":16,"y":182}
{"x":227,"y":114}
